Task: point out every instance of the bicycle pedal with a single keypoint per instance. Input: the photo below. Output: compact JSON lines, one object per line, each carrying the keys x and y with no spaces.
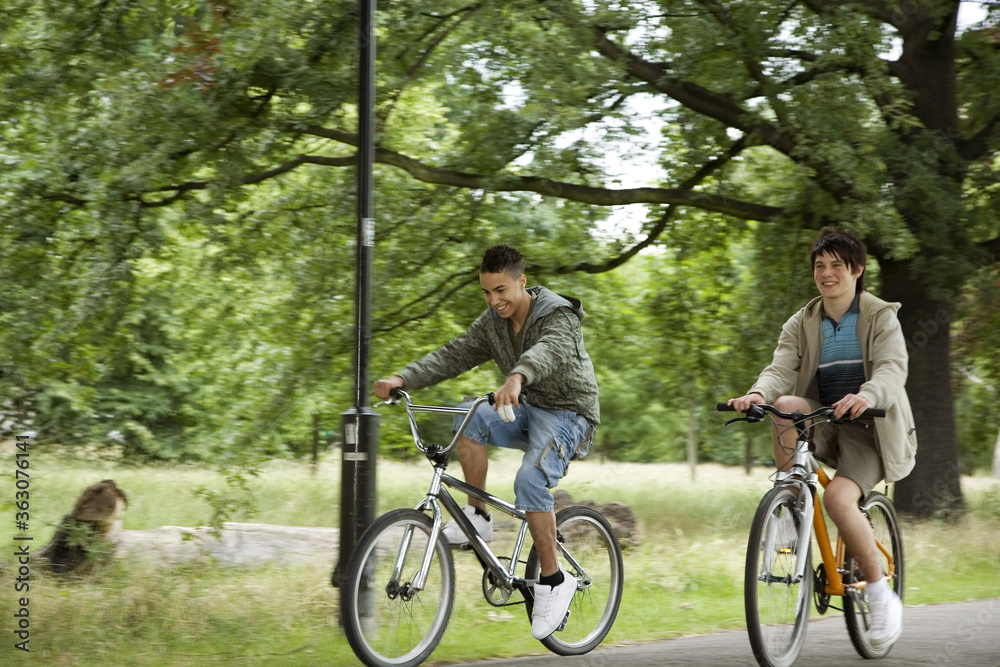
{"x":562,"y":626}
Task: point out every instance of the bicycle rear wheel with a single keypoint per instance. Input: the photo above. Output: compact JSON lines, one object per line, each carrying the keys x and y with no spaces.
{"x":587,"y":538}
{"x":777,"y":606}
{"x":387,"y":623}
{"x":882,"y":517}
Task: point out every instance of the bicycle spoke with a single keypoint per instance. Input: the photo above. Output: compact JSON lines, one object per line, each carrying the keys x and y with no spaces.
{"x":387,"y":621}
{"x":590,"y":552}
{"x":885,"y":525}
{"x":777,"y":606}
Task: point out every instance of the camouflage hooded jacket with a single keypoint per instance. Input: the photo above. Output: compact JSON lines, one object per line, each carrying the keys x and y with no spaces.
{"x":557,"y":369}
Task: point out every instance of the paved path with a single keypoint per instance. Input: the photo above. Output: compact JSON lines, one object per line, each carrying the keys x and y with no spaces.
{"x":962,"y":634}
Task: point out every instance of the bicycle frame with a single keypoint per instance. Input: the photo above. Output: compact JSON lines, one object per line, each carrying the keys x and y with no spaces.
{"x":806,"y":473}
{"x":438,"y":496}
{"x":399,"y":591}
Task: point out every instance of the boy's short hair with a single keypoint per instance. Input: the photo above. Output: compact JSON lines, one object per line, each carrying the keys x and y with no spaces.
{"x":844,"y":245}
{"x":502,"y":258}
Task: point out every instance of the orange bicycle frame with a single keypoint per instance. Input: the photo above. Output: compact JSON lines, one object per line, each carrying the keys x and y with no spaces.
{"x":833,"y":563}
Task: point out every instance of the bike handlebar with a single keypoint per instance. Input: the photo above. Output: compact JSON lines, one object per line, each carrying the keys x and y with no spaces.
{"x":819,"y":412}
{"x":397,"y":396}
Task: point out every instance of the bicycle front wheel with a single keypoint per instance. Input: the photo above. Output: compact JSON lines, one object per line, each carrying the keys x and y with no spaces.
{"x":777,"y":606}
{"x":387,"y":622}
{"x":591,"y":553}
{"x":884,"y":522}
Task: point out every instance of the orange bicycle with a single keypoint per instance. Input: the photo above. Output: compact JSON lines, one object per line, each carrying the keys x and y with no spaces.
{"x":779,"y":576}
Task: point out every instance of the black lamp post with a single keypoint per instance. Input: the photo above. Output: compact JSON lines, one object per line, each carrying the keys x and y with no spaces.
{"x":360,"y":424}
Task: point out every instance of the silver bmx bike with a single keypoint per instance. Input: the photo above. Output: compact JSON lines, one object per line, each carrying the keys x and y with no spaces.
{"x":398,"y":588}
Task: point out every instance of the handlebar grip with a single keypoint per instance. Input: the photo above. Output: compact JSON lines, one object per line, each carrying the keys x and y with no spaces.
{"x":522,"y":398}
{"x":396,"y":392}
{"x":873,"y":412}
{"x":724,"y":407}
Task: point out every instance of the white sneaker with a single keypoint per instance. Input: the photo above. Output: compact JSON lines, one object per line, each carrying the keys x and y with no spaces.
{"x":885,"y":620}
{"x":551,"y":605}
{"x":453,"y":532}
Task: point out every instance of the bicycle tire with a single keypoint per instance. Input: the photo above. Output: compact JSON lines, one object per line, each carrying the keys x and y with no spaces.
{"x":384,"y":625}
{"x":882,"y":516}
{"x":777,"y":608}
{"x":586,"y":535}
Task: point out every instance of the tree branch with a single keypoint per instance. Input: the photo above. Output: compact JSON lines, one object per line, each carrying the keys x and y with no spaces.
{"x":442,"y":297}
{"x":615,"y":262}
{"x":877,"y":9}
{"x":701,"y":174}
{"x":683,"y":196}
{"x":722,"y":109}
{"x":253,"y":179}
{"x":695,"y":97}
{"x":464,"y":14}
{"x":992,"y":247}
{"x":976,"y":146}
{"x":571,"y":191}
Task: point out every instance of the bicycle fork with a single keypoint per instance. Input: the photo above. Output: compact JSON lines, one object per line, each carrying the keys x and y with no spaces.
{"x":804,"y":509}
{"x":409,"y":589}
{"x":420,"y":580}
{"x":803,"y":476}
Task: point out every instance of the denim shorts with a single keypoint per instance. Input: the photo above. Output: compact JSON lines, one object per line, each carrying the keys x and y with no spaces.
{"x":550,"y":439}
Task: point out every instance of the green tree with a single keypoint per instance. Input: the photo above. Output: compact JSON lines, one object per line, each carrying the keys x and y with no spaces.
{"x":882,"y":116}
{"x":879,"y":116}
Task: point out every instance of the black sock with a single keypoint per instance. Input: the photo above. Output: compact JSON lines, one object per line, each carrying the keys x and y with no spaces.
{"x":481,"y":512}
{"x":552,"y":580}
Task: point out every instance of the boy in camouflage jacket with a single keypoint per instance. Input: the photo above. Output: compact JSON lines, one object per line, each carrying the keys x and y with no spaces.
{"x":534,"y":335}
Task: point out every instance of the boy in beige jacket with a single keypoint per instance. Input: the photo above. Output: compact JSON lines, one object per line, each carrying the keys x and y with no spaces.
{"x":845,"y":349}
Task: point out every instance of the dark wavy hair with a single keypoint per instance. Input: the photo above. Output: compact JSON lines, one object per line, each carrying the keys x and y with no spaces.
{"x":502,"y":258}
{"x":845,"y":246}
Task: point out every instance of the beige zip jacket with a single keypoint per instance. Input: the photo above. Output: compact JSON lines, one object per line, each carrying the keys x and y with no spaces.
{"x":883,"y":349}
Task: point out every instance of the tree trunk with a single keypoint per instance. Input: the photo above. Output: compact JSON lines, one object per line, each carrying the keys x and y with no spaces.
{"x":748,"y":454}
{"x":934,"y":483}
{"x":692,"y":439}
{"x":315,"y":442}
{"x":996,"y":458}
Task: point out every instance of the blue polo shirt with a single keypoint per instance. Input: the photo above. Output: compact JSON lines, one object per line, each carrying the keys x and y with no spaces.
{"x":841,"y":369}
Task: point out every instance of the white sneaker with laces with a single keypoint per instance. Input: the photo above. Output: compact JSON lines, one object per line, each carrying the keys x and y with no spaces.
{"x":484,"y":526}
{"x":551,"y":605}
{"x":885,"y":620}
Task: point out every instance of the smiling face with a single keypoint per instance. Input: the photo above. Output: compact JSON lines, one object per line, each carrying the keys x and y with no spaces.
{"x":506,"y":295}
{"x":834,"y":278}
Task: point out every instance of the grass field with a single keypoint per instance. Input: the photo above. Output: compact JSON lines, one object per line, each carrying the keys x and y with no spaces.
{"x":685,"y":576}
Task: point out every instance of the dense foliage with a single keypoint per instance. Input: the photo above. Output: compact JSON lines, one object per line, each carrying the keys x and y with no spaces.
{"x":177,"y":205}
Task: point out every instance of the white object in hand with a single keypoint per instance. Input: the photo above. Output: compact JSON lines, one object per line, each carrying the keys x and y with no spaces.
{"x":506,"y":412}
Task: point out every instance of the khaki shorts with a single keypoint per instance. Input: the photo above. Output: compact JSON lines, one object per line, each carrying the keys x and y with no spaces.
{"x":850,"y":448}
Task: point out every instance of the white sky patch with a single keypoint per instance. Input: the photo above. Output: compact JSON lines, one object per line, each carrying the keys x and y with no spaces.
{"x":629,"y":161}
{"x":970,"y":13}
